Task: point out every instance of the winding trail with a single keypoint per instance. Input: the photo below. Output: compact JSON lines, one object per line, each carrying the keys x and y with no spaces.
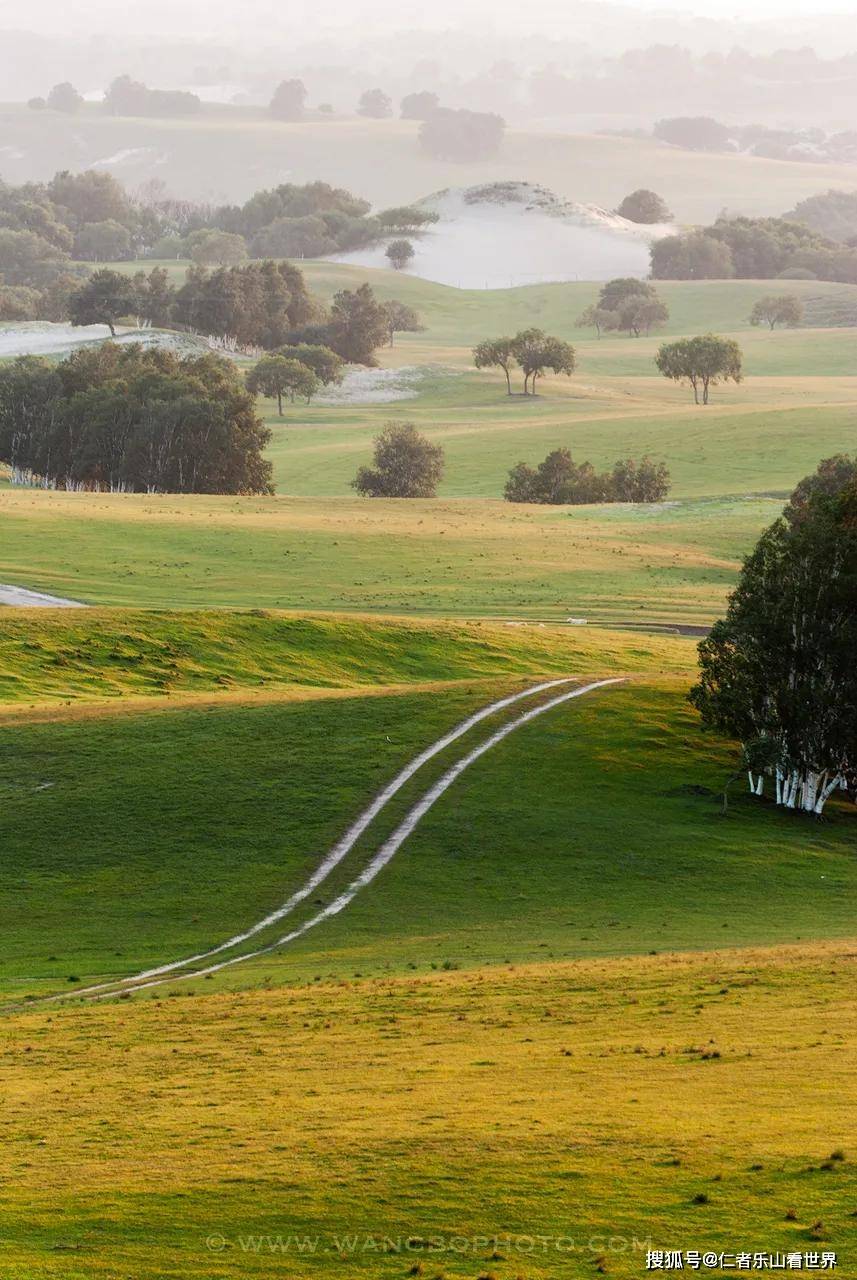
{"x":170,"y":972}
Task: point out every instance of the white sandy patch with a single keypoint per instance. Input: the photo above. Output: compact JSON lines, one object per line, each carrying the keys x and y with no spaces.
{"x":41,"y":338}
{"x":130,"y":155}
{"x":20,"y":597}
{"x":375,"y":386}
{"x":509,"y":234}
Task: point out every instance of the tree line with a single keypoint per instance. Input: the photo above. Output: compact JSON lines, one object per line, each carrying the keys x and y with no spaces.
{"x":753,"y":249}
{"x":132,"y":420}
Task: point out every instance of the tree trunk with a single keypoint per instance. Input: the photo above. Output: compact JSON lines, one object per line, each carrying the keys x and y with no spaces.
{"x":280,"y":403}
{"x":508,"y":380}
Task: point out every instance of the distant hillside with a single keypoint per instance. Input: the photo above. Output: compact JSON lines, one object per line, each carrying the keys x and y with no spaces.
{"x":226,"y":153}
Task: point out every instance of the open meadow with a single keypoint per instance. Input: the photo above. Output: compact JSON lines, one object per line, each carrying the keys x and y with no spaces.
{"x":374,"y":902}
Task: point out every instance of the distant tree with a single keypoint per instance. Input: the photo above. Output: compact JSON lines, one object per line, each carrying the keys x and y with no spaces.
{"x":615,"y":293}
{"x":643,"y":481}
{"x":419,"y":106}
{"x":36,"y":104}
{"x":496,"y":353}
{"x":305,"y":237}
{"x":327,"y":366}
{"x":90,"y":197}
{"x":105,"y":241}
{"x":289,"y":100}
{"x":170,"y":246}
{"x":399,"y":253}
{"x":375,"y":104}
{"x":28,"y":259}
{"x":784,"y":308}
{"x":597,"y":318}
{"x":153,"y":297}
{"x":640,"y":315}
{"x":462,"y":135}
{"x":401,"y":318}
{"x":105,"y":298}
{"x":560,"y":480}
{"x":221,"y":248}
{"x":127,"y":97}
{"x":696,"y":133}
{"x":695,"y":255}
{"x":358,"y":325}
{"x":64,"y":97}
{"x":645,"y":207}
{"x":406,"y":218}
{"x":778,"y":671}
{"x":832,"y":214}
{"x":535,"y":351}
{"x":703,"y":362}
{"x":276,"y":376}
{"x":831,"y":477}
{"x":407,"y":465}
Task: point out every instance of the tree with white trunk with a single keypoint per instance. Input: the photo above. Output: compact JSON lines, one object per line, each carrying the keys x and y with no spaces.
{"x":778,"y":672}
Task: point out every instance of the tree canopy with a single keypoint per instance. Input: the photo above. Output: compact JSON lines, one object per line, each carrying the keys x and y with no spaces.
{"x":703,"y":362}
{"x":407,"y":465}
{"x":560,"y":480}
{"x":777,"y":308}
{"x":645,"y":207}
{"x":132,"y":419}
{"x":532,"y":350}
{"x":778,"y":672}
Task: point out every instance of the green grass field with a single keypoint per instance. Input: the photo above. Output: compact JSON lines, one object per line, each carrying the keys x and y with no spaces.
{"x":580,"y":1005}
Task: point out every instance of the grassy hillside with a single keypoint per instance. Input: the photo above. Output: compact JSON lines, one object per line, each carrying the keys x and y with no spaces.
{"x":77,"y":656}
{"x":681,"y":1101}
{"x":226,"y":153}
{"x":673,"y":563}
{"x":594,"y":830}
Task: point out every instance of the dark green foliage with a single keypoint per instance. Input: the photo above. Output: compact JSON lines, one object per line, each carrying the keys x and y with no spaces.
{"x":703,"y":362}
{"x":399,"y":253}
{"x":778,"y":671}
{"x":105,"y":298}
{"x":407,"y":465}
{"x":358,"y":325}
{"x":256,"y":305}
{"x":532,"y":350}
{"x":560,"y":480}
{"x":132,"y":419}
{"x":752,"y":249}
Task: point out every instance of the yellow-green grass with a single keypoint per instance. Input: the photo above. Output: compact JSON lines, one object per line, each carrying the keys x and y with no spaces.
{"x":64,"y":656}
{"x":226,"y":153}
{"x":595,"y":829}
{"x":592,"y":1103}
{"x":670,"y":563}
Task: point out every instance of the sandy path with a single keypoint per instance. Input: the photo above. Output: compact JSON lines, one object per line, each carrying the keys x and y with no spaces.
{"x":166,"y":973}
{"x":20,"y":597}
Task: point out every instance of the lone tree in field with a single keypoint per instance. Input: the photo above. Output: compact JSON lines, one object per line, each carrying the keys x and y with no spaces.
{"x":778,"y":672}
{"x":645,"y":207}
{"x":289,"y":100}
{"x":375,"y":104}
{"x":640,"y":315}
{"x":407,"y":465}
{"x":401,"y":318}
{"x":702,"y":362}
{"x":399,"y":253}
{"x":358,"y":325}
{"x":496,"y":353}
{"x":277,"y":376}
{"x":784,"y":308}
{"x":106,"y":297}
{"x":536,"y":352}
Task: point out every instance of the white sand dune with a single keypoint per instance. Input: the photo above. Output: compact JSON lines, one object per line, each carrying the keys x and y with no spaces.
{"x":508,"y":234}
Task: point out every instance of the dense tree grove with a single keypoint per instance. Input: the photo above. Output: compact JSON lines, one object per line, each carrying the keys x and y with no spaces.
{"x":132,"y":419}
{"x":702,"y":362}
{"x":533,"y":351}
{"x":127,"y":97}
{"x":778,"y":672}
{"x":752,"y":249}
{"x":407,"y":465}
{"x":560,"y":480}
